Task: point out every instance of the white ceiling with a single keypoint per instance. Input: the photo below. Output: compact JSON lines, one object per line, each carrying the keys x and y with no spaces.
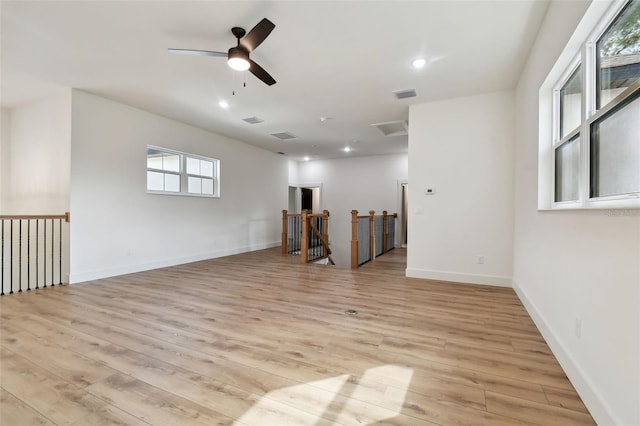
{"x":337,"y":59}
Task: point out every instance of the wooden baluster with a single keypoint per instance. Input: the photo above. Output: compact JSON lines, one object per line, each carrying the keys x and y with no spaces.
{"x":372,"y":235}
{"x":304,"y":240}
{"x":285,"y":237}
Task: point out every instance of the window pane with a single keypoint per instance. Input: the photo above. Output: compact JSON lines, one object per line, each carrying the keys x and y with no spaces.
{"x":171,"y":182}
{"x":571,"y":103}
{"x":206,"y":168}
{"x":207,"y":186}
{"x":155,"y":181}
{"x":193,"y":166}
{"x":195,"y":185}
{"x":171,"y":163}
{"x":615,"y":151}
{"x":567,"y":170}
{"x":619,"y":54}
{"x":154,"y":159}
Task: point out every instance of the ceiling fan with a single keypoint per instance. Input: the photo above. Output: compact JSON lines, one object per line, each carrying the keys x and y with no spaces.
{"x":238,"y":56}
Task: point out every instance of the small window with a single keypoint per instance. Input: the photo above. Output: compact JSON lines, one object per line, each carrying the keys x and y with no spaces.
{"x":618,"y":55}
{"x":174,"y":172}
{"x":596,"y":117}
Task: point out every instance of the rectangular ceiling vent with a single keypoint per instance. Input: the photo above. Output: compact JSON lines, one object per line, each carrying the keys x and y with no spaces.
{"x":284,"y":135}
{"x":392,"y":128}
{"x":253,"y":120}
{"x":404,"y":94}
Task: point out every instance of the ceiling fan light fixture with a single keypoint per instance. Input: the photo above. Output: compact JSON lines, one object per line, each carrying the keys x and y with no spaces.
{"x":238,"y":59}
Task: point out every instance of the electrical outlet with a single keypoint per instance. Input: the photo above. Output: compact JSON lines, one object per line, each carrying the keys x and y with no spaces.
{"x":480,"y":259}
{"x":578,"y":328}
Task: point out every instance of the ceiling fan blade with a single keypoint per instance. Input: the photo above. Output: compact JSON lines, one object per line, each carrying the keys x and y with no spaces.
{"x":259,"y":72}
{"x":257,"y":34}
{"x":198,"y":52}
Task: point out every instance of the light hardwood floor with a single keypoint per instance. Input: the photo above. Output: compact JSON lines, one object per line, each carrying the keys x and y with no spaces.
{"x":257,"y":339}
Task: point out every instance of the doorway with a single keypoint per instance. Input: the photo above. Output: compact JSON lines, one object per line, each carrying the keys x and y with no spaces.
{"x":305,"y":197}
{"x":404,"y":213}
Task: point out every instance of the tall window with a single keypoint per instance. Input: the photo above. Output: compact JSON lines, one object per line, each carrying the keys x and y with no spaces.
{"x":179,"y":173}
{"x":597,"y":117}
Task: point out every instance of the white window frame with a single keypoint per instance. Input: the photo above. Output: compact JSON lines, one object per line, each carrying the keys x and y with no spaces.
{"x":583,"y":46}
{"x":184,"y":176}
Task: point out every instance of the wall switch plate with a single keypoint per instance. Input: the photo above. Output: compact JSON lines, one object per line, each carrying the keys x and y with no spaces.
{"x":429,"y":191}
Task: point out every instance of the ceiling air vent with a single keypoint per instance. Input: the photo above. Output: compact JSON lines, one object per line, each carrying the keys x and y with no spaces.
{"x":404,"y":94}
{"x":284,"y":135}
{"x":392,"y":128}
{"x":253,"y":120}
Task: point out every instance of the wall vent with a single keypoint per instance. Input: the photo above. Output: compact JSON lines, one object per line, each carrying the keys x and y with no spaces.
{"x":392,"y":128}
{"x":253,"y":120}
{"x":284,"y":135}
{"x":404,"y":94}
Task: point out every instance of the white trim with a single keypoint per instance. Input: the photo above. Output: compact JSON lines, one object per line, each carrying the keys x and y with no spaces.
{"x":96,"y":274}
{"x":459,"y":277}
{"x":587,"y":391}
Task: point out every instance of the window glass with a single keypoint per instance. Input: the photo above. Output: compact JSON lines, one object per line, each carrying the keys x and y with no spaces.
{"x":207,"y":186}
{"x":619,"y":55}
{"x":193,"y":166}
{"x":155,"y":181}
{"x":206,"y":168}
{"x":571,"y":103}
{"x":567,"y":170}
{"x":171,"y":182}
{"x":615,"y":151}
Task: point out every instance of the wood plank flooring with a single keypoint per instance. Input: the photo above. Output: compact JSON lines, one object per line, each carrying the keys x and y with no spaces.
{"x":258,"y":339}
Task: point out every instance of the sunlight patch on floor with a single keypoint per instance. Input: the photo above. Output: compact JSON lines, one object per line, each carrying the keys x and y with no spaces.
{"x":341,"y":399}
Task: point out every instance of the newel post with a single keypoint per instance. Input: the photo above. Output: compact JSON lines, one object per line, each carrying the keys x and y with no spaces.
{"x":372,"y":235}
{"x":385,"y":231}
{"x":304,"y":240}
{"x":285,"y":237}
{"x":354,"y":239}
{"x":325,"y":229}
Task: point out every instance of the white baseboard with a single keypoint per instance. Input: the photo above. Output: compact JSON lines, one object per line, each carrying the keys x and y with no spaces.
{"x":459,"y":277}
{"x":599,"y":409}
{"x":80,"y":277}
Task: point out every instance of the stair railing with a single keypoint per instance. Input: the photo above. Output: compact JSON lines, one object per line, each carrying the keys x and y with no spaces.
{"x":371,"y":236}
{"x":31,"y":251}
{"x":307,"y":235}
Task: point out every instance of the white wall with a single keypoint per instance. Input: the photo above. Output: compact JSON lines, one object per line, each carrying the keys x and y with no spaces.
{"x":464,"y":148}
{"x":362,"y":183}
{"x":36,"y":139}
{"x":577,"y":264}
{"x":118,"y":228}
{"x":5,"y":135}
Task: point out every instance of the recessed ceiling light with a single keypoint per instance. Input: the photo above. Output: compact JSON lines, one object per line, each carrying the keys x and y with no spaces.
{"x":419,"y":63}
{"x":306,"y":158}
{"x":346,"y":149}
{"x":223,"y":104}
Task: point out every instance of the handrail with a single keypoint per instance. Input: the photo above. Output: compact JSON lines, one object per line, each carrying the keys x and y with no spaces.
{"x":65,"y":216}
{"x":385,"y":235}
{"x":301,"y":235}
{"x":23,"y":237}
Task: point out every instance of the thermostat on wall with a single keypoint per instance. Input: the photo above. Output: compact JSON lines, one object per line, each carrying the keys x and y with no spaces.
{"x":429,"y":191}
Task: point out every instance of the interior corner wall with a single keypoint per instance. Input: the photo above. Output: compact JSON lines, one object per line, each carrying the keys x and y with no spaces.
{"x":118,"y":228}
{"x":35,"y":155}
{"x":577,"y":265}
{"x":360,"y":183}
{"x":463,"y":149}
